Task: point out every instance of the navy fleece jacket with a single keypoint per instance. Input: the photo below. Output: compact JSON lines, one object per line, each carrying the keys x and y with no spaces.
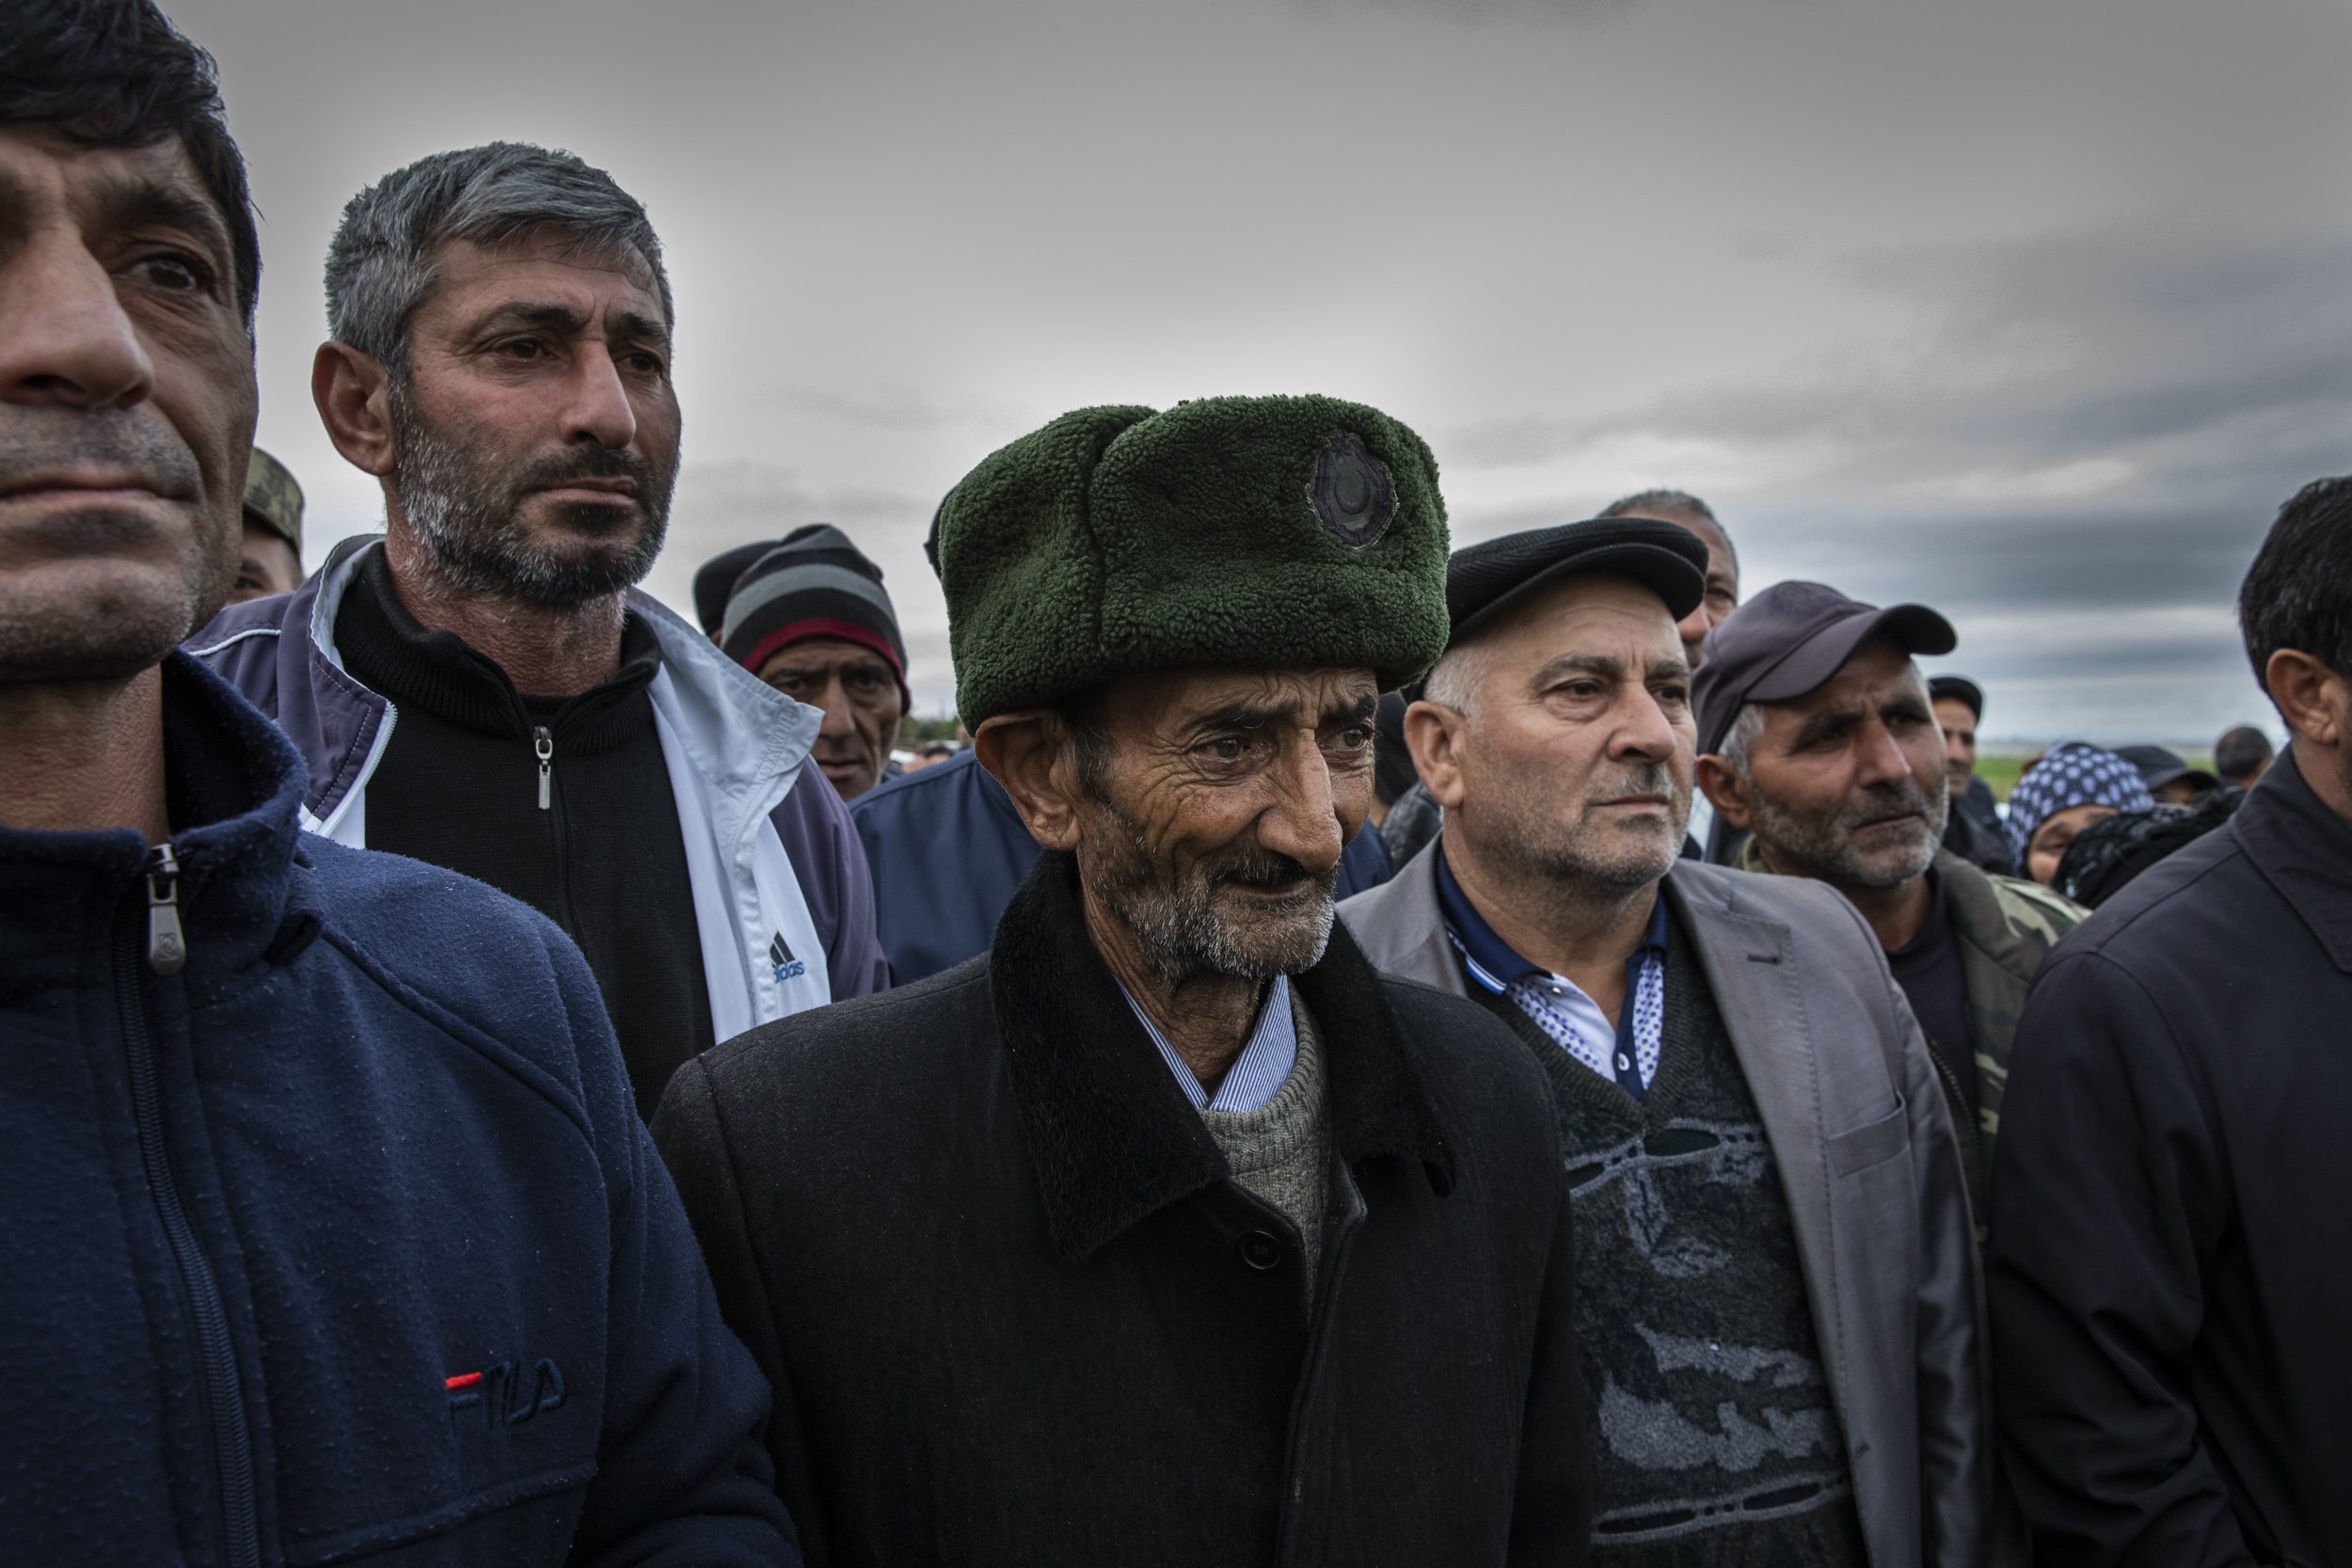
{"x":344,"y":1241}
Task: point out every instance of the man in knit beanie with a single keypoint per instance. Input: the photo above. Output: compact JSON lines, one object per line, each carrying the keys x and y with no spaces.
{"x":1165,"y":1231}
{"x":812,"y":619}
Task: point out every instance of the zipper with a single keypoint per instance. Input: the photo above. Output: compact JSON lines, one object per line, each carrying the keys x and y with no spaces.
{"x":166,"y":953}
{"x":543,"y":746}
{"x":166,"y":945}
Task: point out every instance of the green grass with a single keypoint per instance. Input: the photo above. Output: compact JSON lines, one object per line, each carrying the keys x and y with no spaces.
{"x":1999,"y":770}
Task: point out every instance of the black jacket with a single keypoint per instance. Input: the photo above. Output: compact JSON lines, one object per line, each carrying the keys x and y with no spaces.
{"x":1020,"y":1316}
{"x":2171,"y":1267}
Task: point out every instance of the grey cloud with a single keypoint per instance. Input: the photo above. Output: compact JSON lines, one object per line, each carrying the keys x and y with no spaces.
{"x":889,"y":408}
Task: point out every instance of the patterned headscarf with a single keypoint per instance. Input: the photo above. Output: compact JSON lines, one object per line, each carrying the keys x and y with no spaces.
{"x":2071,"y":774}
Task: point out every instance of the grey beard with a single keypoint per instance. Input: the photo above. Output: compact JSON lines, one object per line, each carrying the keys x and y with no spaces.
{"x":1177,"y":923}
{"x":1567,"y":859}
{"x":468,"y":522}
{"x":1824,"y":849}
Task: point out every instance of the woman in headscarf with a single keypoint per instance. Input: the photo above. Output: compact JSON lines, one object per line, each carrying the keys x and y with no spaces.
{"x":2072,"y":787}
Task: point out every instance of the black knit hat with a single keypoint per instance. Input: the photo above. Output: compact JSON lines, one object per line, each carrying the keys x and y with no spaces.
{"x":815,"y":584}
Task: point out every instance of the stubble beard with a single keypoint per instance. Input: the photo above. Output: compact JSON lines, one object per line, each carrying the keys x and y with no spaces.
{"x":468,"y":517}
{"x":134,"y":619}
{"x":1175,"y":915}
{"x":1535,"y":841}
{"x":1822,"y":847}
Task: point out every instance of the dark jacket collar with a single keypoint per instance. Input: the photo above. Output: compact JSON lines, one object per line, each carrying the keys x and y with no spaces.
{"x":234,"y":785}
{"x":1112,"y":1137}
{"x":389,"y":651}
{"x":2304,"y":850}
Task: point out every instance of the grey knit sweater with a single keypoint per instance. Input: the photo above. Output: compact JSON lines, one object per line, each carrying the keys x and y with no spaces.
{"x":1281,"y":1151}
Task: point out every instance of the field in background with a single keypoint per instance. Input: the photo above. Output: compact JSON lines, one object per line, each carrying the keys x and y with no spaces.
{"x":1999,"y":770}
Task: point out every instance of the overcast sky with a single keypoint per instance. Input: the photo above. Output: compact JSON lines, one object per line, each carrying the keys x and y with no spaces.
{"x":2033,"y":312}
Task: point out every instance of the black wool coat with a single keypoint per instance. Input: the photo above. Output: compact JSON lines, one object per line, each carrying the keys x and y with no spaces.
{"x":1017,"y":1313}
{"x":2170,"y":1269}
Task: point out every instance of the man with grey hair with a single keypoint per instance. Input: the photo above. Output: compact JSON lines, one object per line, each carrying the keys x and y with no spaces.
{"x":1709,"y":838}
{"x":1762,"y":1174}
{"x":1817,"y":736}
{"x":484,"y":689}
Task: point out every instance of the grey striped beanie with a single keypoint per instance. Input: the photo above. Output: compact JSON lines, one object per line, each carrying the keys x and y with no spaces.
{"x":815,"y":584}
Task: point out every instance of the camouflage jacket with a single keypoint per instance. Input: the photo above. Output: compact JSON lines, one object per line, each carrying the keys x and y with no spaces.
{"x":2007,"y":927}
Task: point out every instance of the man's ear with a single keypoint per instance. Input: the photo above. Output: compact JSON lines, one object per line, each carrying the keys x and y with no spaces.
{"x":1437,"y":737}
{"x":1033,"y":754}
{"x":2315,"y":702}
{"x":1728,"y":790}
{"x":350,"y":390}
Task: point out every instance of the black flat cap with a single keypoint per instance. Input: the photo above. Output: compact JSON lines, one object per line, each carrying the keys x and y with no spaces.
{"x":1957,"y":688}
{"x":1483,"y":581}
{"x":1788,"y":639}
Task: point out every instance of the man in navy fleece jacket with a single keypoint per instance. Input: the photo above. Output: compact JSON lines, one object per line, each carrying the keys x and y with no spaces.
{"x":330,"y":1232}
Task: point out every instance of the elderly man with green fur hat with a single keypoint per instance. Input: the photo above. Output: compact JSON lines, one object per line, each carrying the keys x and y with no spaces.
{"x":1167,"y":1231}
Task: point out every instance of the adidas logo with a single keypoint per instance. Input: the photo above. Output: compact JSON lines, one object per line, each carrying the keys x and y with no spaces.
{"x":780,"y":959}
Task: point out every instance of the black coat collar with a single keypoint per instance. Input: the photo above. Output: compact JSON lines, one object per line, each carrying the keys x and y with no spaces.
{"x":1112,"y":1137}
{"x":2304,"y":850}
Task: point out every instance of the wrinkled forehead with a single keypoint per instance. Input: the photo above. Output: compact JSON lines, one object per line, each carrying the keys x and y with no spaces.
{"x":1171,"y":701}
{"x":817,"y":653}
{"x":1594,"y":614}
{"x":44,"y":173}
{"x":595,"y":276}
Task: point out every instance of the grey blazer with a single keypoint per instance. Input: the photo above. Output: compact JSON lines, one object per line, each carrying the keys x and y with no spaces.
{"x":1863,"y":1141}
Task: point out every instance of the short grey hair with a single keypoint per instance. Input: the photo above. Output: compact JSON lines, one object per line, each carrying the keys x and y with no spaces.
{"x":1746,"y":729}
{"x":1453,"y":682}
{"x":379,"y":266}
{"x":1649,"y":503}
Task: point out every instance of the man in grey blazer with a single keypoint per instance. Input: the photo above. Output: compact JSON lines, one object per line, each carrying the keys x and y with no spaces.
{"x":1777,"y":1292}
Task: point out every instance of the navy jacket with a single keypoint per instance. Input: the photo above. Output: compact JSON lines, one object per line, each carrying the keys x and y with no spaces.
{"x":344,"y":1243}
{"x":948,"y":852}
{"x":2169,"y":1276}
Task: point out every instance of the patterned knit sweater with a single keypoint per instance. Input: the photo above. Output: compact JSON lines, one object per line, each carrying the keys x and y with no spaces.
{"x":1714,"y":1441}
{"x":1281,"y":1151}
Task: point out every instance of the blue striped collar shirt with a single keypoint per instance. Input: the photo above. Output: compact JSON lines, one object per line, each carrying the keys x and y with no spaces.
{"x":1624,"y":1052}
{"x":1258,"y":1074}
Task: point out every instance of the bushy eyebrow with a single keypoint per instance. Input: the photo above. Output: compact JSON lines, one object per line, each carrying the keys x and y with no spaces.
{"x":119,"y":200}
{"x":1608,"y":667}
{"x":566,"y":322}
{"x":1246,"y":716}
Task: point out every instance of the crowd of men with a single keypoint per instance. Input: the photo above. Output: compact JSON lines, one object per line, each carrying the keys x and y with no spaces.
{"x":1372,"y":1053}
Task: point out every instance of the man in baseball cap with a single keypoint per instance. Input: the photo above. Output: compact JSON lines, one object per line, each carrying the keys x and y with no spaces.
{"x":270,"y":560}
{"x":1817,"y":737}
{"x":1142,"y":1237}
{"x":1660,"y":995}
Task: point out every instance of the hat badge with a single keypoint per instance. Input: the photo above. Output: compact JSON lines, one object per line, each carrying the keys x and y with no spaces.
{"x":1353,"y":496}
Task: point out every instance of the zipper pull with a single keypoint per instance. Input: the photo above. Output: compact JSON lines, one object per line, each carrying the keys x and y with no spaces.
{"x":544,"y":744}
{"x":166,"y":945}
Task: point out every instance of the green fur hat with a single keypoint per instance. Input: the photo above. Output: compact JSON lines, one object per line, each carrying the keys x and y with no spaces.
{"x":1271,"y":533}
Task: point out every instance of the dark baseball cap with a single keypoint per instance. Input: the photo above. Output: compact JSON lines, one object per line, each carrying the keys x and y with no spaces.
{"x":1483,"y":581}
{"x":2159,"y":767}
{"x":1792,"y":638}
{"x":1957,"y":688}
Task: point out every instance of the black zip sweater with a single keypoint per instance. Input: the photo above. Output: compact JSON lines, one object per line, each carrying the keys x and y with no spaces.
{"x":590,"y":840}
